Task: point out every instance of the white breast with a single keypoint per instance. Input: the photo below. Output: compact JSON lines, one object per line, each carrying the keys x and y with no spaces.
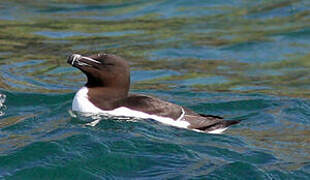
{"x":81,"y":103}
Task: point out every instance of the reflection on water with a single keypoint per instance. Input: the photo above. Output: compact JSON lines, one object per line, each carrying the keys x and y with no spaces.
{"x":239,"y":59}
{"x":242,"y":37}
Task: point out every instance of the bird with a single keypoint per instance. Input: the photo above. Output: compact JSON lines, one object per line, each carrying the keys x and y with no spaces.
{"x":107,"y":92}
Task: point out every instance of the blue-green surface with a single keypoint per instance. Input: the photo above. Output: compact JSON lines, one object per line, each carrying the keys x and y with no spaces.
{"x":238,"y":59}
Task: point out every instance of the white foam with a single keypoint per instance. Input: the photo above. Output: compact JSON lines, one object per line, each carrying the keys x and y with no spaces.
{"x":2,"y":105}
{"x":81,"y":103}
{"x":93,"y":123}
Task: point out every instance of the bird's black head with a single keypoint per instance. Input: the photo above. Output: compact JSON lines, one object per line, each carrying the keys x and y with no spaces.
{"x":103,"y":70}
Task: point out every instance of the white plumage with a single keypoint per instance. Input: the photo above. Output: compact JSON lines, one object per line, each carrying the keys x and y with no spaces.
{"x":81,"y":103}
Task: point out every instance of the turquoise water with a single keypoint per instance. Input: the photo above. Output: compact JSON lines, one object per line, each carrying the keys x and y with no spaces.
{"x":238,"y":59}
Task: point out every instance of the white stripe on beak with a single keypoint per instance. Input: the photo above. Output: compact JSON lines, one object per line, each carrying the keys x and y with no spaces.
{"x":77,"y":57}
{"x":90,"y":59}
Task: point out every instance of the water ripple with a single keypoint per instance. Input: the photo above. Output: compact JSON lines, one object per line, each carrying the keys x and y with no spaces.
{"x":238,"y":59}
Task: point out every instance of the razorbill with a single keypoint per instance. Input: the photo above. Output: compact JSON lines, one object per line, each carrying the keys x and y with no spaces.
{"x":106,"y":92}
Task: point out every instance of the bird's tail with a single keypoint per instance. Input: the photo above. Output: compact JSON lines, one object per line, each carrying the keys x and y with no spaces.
{"x":224,"y":124}
{"x":216,"y":124}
